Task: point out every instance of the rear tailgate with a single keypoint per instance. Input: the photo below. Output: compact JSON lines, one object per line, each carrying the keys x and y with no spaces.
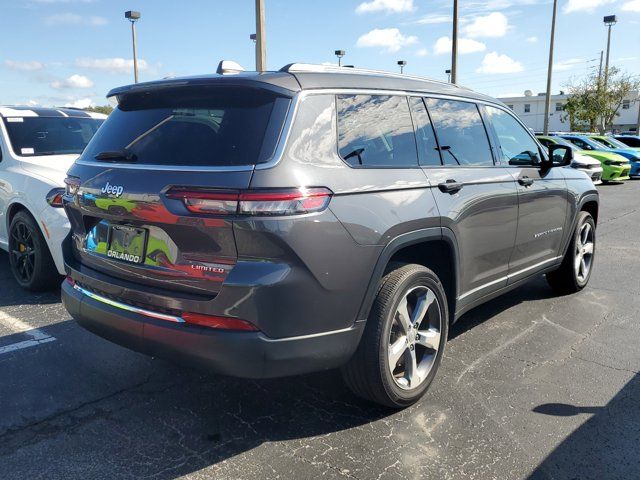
{"x":123,"y":223}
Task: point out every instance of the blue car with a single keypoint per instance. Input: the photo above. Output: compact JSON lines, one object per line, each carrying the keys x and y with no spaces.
{"x":587,"y":142}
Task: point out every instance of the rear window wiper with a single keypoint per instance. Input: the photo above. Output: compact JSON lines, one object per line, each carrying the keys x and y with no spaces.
{"x":122,"y":154}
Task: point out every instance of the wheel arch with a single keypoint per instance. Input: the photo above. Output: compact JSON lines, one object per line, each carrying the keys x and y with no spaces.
{"x":435,"y":248}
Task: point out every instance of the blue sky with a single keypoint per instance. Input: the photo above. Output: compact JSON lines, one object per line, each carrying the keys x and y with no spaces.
{"x":71,"y":52}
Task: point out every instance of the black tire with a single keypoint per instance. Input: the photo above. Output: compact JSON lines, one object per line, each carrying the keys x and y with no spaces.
{"x":566,"y":279}
{"x":31,"y":262}
{"x":368,"y":374}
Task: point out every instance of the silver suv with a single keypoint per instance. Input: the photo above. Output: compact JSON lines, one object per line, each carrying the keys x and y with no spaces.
{"x":273,"y":224}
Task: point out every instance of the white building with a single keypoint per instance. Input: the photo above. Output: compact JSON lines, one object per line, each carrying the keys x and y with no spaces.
{"x":530,"y":109}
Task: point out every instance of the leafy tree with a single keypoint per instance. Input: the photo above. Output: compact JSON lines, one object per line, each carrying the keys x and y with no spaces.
{"x":106,"y":109}
{"x":593,"y":106}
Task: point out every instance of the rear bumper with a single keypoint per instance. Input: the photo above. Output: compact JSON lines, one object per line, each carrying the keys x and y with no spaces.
{"x":240,"y":354}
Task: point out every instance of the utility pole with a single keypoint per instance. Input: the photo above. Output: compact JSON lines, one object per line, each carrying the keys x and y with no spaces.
{"x":133,"y":17}
{"x":261,"y":40}
{"x":547,"y":103}
{"x":454,"y":44}
{"x":609,"y":21}
{"x":600,"y":69}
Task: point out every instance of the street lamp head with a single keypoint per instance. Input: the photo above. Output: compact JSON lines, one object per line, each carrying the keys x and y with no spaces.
{"x":253,"y":37}
{"x":610,"y":20}
{"x":132,"y":15}
{"x":448,"y":71}
{"x":402,"y":63}
{"x":340,"y":53}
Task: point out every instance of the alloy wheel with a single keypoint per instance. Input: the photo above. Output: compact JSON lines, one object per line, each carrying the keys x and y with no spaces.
{"x":23,"y":252}
{"x":584,"y":252}
{"x":414,"y":338}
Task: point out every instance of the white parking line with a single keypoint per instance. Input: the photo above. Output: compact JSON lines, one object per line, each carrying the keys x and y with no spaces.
{"x":18,"y":326}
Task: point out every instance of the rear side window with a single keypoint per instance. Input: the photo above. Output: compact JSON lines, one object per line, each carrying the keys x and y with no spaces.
{"x":376,"y":131}
{"x":461,"y":133}
{"x":517,"y":147}
{"x":194,"y":126}
{"x":425,"y":138}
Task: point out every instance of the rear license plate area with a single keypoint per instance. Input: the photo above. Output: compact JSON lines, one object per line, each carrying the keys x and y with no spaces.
{"x":127,"y":243}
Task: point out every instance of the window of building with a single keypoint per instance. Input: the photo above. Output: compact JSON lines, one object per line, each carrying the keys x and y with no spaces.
{"x":527,"y":107}
{"x":376,"y":131}
{"x":510,"y":106}
{"x":559,"y":107}
{"x":626,"y":104}
{"x":461,"y":133}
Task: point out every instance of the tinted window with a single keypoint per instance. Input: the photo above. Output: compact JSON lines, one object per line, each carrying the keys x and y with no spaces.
{"x":461,"y":133}
{"x":579,"y":143}
{"x":426,"y":139}
{"x":545,"y":141}
{"x":516,"y":145}
{"x":204,"y":126}
{"x":630,"y":141}
{"x":376,"y":131}
{"x":50,"y":135}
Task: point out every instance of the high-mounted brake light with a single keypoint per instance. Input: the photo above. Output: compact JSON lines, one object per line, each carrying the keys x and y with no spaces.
{"x":294,"y":201}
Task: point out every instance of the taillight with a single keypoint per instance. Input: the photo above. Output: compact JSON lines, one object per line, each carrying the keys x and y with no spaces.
{"x":54,"y":197}
{"x":214,"y":321}
{"x":253,"y":202}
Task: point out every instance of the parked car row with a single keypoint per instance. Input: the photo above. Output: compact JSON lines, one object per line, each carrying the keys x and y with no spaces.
{"x":619,"y":160}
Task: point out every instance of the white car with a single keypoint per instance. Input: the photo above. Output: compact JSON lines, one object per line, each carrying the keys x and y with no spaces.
{"x":37,"y":147}
{"x":588,"y":165}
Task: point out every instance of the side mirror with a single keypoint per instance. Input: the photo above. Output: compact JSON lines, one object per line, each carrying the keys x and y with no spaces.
{"x":559,"y":156}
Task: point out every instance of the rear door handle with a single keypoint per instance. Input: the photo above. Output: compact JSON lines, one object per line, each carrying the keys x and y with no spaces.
{"x":525,"y":181}
{"x":450,"y":187}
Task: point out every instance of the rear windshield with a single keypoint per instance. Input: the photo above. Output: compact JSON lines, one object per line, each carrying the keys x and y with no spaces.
{"x":193,"y":126}
{"x":32,"y":136}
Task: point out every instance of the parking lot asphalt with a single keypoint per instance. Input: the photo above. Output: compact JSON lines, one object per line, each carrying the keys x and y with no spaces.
{"x":532,"y":386}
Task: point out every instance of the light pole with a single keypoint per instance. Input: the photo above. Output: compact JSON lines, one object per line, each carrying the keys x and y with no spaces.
{"x":261,"y":40}
{"x":448,"y":72}
{"x":133,"y":17}
{"x":547,"y":103}
{"x":402,"y":64}
{"x":609,"y":21}
{"x":454,"y":44}
{"x":339,"y":54}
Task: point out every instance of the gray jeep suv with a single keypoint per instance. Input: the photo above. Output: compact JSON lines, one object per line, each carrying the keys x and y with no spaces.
{"x":273,"y":224}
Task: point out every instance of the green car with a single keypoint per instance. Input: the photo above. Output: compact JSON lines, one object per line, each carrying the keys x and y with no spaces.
{"x":615,"y":167}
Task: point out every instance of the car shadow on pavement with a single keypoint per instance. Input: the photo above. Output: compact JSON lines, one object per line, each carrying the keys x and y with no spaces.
{"x":81,"y":407}
{"x":605,"y":446}
{"x":12,"y":294}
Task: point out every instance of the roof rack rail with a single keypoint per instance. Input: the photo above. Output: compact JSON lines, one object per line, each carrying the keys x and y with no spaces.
{"x":317,"y":68}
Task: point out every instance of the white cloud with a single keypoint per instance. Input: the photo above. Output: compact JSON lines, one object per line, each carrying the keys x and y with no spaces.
{"x":74,"y":19}
{"x":496,"y":63}
{"x":423,"y":52}
{"x":569,"y":64}
{"x":584,"y":5}
{"x":465,"y":45}
{"x":25,"y":66}
{"x":112,"y":65}
{"x":80,"y":103}
{"x":392,"y":6}
{"x":390,"y":39}
{"x":631,"y":6}
{"x":74,"y":81}
{"x":433,"y":19}
{"x":493,"y":25}
{"x":532,"y":39}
